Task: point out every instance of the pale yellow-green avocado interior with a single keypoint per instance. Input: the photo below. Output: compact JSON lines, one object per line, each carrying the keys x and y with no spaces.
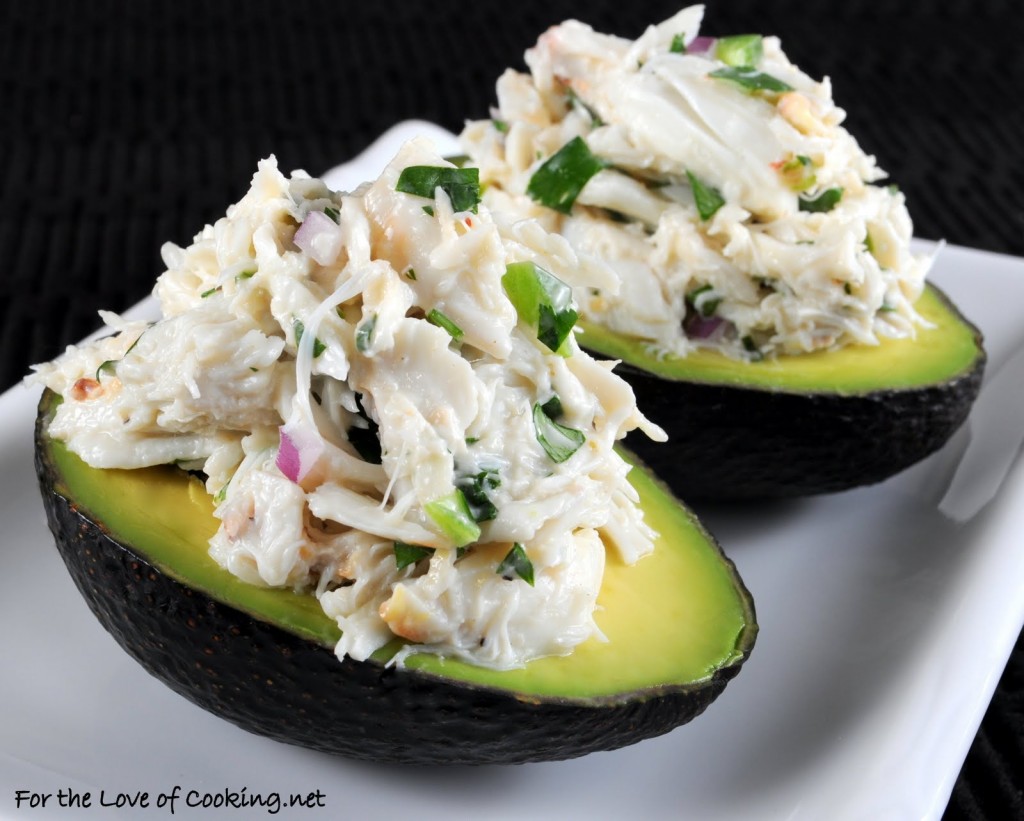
{"x":673,"y":618}
{"x":938,"y":352}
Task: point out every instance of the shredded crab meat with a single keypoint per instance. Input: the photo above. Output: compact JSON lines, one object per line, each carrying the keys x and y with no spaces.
{"x":790,"y":273}
{"x":302,"y":366}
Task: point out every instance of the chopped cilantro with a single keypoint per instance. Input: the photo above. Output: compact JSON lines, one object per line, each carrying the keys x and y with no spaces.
{"x":516,"y":561}
{"x":462,"y":185}
{"x":559,"y":442}
{"x":318,"y":346}
{"x":824,"y":202}
{"x":407,"y":554}
{"x":708,"y":199}
{"x":576,"y":102}
{"x":558,"y":182}
{"x":474,"y":488}
{"x":364,"y":333}
{"x":704,"y":300}
{"x":553,"y":407}
{"x":750,"y":346}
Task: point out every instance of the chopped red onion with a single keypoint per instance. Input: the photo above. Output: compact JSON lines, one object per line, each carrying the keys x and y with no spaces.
{"x":320,"y":237}
{"x":301,"y":446}
{"x":700,"y":45}
{"x":709,"y":329}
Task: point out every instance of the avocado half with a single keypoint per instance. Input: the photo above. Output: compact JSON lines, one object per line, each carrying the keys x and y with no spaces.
{"x":801,"y":425}
{"x":679,"y":624}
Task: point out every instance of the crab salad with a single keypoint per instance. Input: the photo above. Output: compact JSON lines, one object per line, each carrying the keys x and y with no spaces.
{"x":716,"y":178}
{"x":385,"y":397}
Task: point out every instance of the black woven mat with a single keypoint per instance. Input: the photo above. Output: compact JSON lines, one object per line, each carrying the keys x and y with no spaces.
{"x":123,"y":125}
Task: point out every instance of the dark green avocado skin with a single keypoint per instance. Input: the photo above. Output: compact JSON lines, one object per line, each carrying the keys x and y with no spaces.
{"x":271,"y":682}
{"x":730,"y":443}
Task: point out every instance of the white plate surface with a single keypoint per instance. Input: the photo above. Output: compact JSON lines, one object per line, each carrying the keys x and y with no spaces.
{"x":887,"y":615}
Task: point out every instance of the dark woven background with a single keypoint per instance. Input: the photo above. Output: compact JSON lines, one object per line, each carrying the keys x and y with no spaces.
{"x":125,"y":124}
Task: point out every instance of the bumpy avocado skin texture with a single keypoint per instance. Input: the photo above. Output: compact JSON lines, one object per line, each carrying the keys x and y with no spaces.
{"x":732,"y":442}
{"x":270,"y":681}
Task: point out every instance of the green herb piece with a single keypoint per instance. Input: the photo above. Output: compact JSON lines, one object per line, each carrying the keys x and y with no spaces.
{"x":462,"y":185}
{"x":318,"y":346}
{"x":750,"y":346}
{"x":798,"y":173}
{"x":576,"y":102}
{"x":411,"y":274}
{"x":558,"y":441}
{"x":741,"y":50}
{"x":428,"y":210}
{"x":886,"y":309}
{"x":708,"y":199}
{"x":558,"y":182}
{"x":869,"y":244}
{"x":472,"y":440}
{"x":364,"y":334}
{"x":210,"y":292}
{"x":704,"y":300}
{"x":893,"y":189}
{"x":516,"y":561}
{"x":500,"y":125}
{"x":333,"y":213}
{"x":474,"y":489}
{"x":407,"y":554}
{"x":221,"y":494}
{"x":678,"y":45}
{"x":542,"y":301}
{"x":245,"y":275}
{"x":435,"y":317}
{"x":751,"y":80}
{"x":823,"y":203}
{"x":847,"y":289}
{"x":553,"y":407}
{"x":110,"y":366}
{"x":451,"y":513}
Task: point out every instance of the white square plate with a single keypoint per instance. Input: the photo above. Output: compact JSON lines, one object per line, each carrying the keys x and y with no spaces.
{"x":887,"y":615}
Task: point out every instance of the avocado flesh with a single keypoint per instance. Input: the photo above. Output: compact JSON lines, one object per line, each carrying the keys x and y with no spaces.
{"x":802,"y":425}
{"x":673,"y":619}
{"x":934,"y":355}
